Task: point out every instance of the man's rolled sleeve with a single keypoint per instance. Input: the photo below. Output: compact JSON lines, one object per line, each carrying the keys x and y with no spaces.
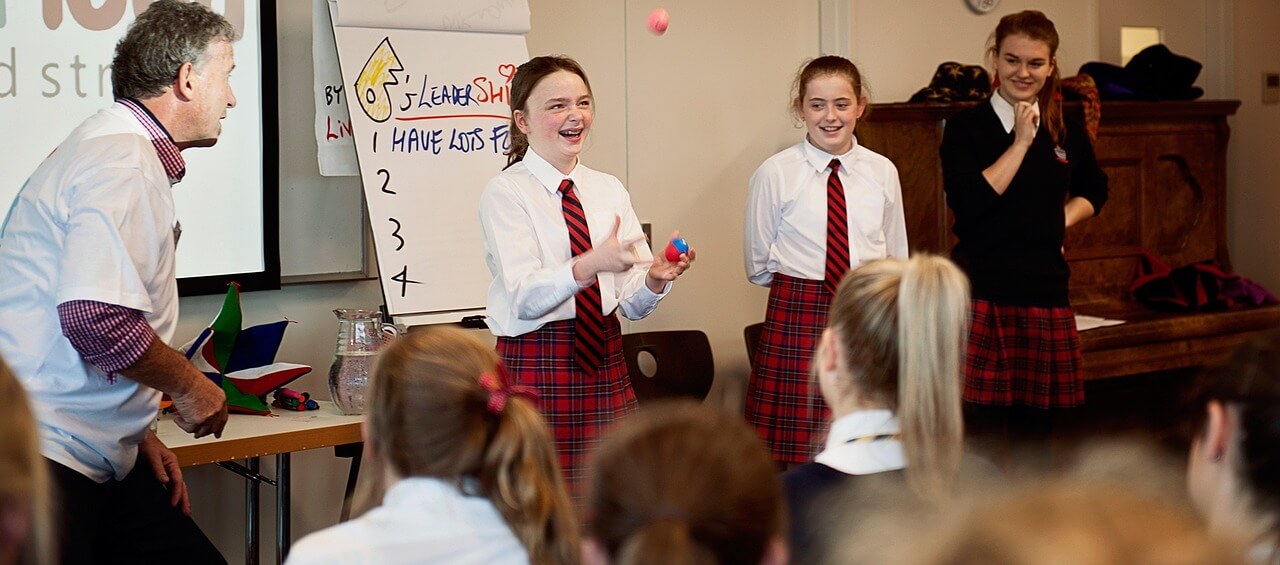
{"x":109,"y":336}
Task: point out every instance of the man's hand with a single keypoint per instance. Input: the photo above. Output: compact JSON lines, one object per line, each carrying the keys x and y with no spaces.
{"x":202,"y":410}
{"x":202,"y":406}
{"x":165,"y":466}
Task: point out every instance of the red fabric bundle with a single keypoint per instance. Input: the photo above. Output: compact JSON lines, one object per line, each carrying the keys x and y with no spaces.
{"x":1203,"y":286}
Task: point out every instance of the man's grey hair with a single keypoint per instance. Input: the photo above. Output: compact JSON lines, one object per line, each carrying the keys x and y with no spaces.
{"x":168,"y":34}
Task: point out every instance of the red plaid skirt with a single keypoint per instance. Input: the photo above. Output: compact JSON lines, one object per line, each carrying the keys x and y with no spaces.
{"x":784,"y":404}
{"x":1024,"y":355}
{"x":577,"y":408}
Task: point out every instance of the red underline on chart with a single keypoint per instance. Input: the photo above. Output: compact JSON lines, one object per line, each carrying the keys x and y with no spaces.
{"x":449,"y":116}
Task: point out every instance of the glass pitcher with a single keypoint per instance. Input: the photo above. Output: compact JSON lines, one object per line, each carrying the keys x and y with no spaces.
{"x":361,"y":333}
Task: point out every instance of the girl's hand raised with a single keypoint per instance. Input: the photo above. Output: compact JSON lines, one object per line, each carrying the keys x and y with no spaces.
{"x":1025,"y":120}
{"x":663,"y":271}
{"x":611,"y":256}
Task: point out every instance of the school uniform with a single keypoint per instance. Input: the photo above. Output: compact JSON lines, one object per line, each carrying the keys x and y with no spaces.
{"x":1023,"y":348}
{"x":421,"y":520}
{"x":863,"y":450}
{"x":785,"y":248}
{"x":861,"y":472}
{"x":531,"y":307}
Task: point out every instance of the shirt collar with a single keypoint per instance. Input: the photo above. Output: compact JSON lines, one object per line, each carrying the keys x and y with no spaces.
{"x":872,"y":455}
{"x":820,"y":160}
{"x":548,"y":174}
{"x":412,"y":490}
{"x":170,"y":156}
{"x":1004,"y":111}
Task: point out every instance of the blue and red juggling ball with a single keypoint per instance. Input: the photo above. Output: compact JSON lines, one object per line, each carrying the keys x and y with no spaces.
{"x":677,"y":247}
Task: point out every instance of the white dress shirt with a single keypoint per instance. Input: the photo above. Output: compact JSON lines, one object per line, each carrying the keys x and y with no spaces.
{"x":421,"y":520}
{"x":96,"y":222}
{"x":852,"y":447}
{"x":526,"y":246}
{"x":786,"y":214}
{"x":1004,"y":111}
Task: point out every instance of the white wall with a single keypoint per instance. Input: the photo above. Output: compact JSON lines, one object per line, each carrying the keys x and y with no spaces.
{"x":1181,"y":21}
{"x":706,"y":104}
{"x":1253,"y":200}
{"x":593,"y":33}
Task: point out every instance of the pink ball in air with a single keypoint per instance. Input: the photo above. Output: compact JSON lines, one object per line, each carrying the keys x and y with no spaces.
{"x":658,"y":20}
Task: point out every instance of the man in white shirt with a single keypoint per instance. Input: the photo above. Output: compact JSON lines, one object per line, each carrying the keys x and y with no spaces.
{"x":88,"y":294}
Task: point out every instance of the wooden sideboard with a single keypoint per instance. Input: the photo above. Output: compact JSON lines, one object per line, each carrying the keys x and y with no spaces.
{"x":1167,"y":167}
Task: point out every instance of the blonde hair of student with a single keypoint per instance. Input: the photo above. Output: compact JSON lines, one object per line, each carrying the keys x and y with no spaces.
{"x":429,"y":417}
{"x":25,"y":509}
{"x":902,"y":326}
{"x":680,"y":483}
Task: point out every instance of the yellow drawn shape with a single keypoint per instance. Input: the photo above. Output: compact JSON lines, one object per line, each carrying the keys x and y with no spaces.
{"x":377,"y":74}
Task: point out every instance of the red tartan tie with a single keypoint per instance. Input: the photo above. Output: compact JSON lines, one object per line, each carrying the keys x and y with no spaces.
{"x":588,"y":335}
{"x":837,"y":231}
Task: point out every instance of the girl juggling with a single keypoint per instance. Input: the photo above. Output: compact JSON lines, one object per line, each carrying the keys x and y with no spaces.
{"x":566,"y":252}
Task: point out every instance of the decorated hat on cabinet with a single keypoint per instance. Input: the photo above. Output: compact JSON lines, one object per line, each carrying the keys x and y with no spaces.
{"x":955,"y":82}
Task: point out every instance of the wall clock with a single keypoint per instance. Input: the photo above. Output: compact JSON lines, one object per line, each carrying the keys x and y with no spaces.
{"x":982,"y":6}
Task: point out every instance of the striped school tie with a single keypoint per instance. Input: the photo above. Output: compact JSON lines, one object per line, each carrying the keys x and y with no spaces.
{"x":588,"y":326}
{"x":837,"y":231}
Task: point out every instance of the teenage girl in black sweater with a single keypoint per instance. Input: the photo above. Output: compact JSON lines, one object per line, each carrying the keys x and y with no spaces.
{"x":1017,"y":175}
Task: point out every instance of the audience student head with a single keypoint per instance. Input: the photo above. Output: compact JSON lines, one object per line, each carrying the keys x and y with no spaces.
{"x":1069,"y":520}
{"x":1024,"y":50}
{"x":681,"y":483}
{"x":25,"y":534}
{"x":540,"y":117}
{"x":440,"y":407}
{"x":1233,"y":472}
{"x":894,"y":340}
{"x":828,"y":99}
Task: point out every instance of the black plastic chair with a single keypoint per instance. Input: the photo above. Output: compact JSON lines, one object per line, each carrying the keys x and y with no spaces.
{"x":685,"y":366}
{"x":751,"y":334}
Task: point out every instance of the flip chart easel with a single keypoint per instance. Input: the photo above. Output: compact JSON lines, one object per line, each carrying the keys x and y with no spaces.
{"x":430,"y":114}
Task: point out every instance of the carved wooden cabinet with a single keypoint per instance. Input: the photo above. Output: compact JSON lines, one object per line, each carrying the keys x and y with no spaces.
{"x":1167,"y":167}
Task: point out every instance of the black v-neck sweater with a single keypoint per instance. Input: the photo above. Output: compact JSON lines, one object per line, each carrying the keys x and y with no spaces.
{"x":1010,"y":244}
